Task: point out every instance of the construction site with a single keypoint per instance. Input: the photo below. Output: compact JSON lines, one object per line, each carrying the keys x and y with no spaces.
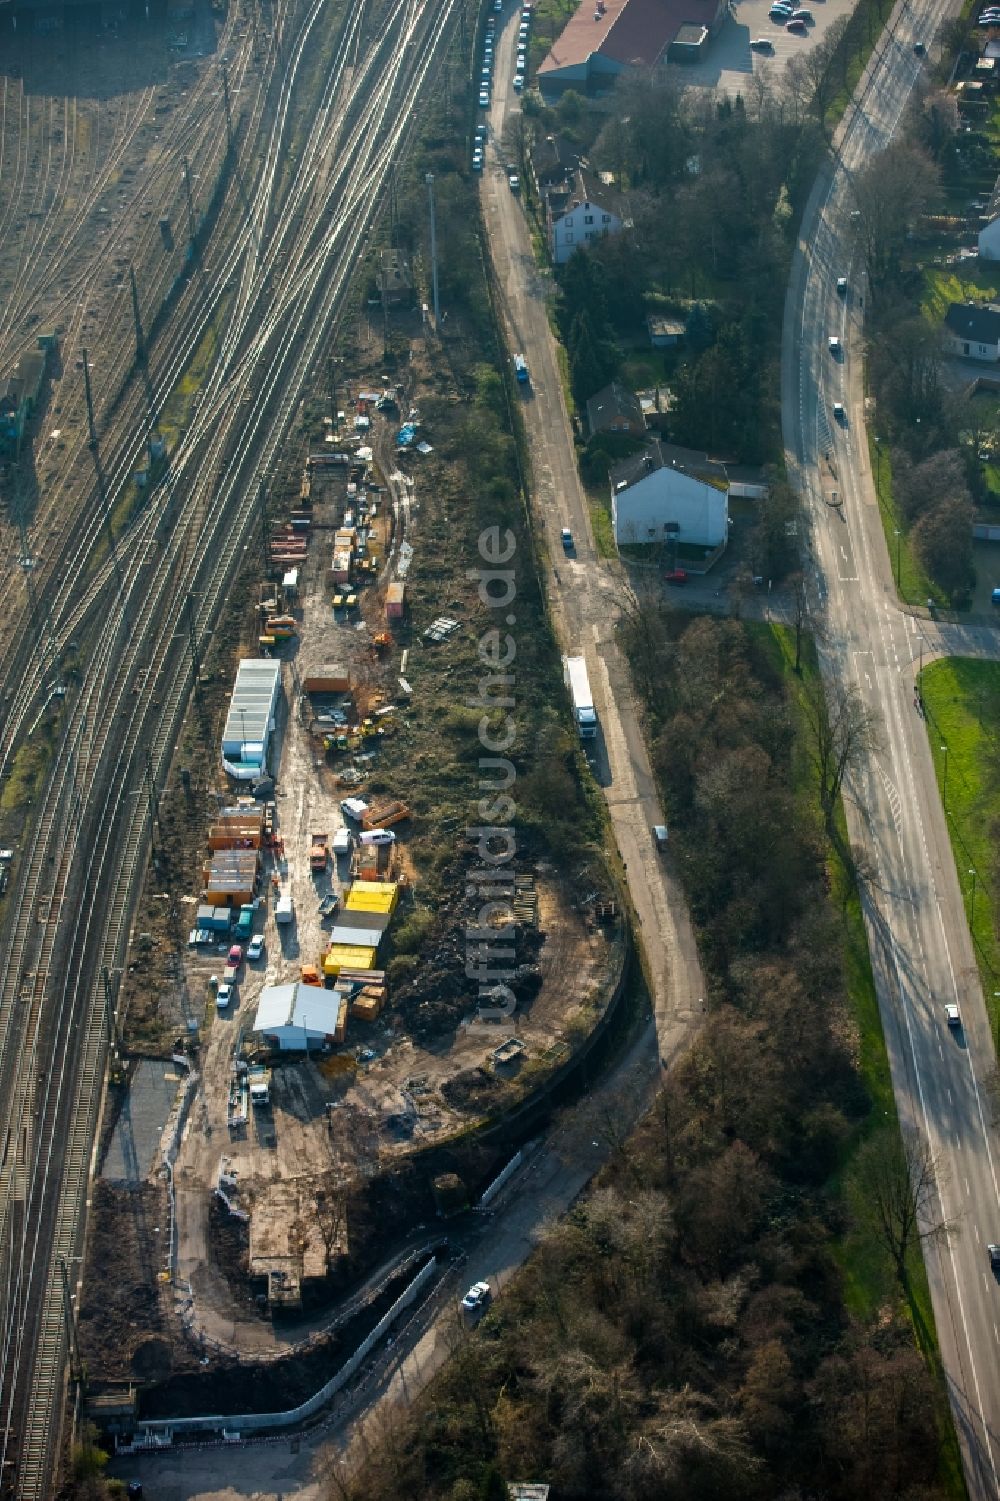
{"x":320,"y":1116}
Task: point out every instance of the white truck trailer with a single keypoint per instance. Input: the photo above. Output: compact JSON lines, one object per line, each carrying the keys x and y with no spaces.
{"x":575,"y":673}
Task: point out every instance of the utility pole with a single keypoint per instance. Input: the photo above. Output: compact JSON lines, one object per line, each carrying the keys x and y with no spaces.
{"x":140,"y":342}
{"x":262,"y":503}
{"x":154,"y":801}
{"x":429,"y":179}
{"x":75,"y":1367}
{"x":190,"y":205}
{"x":193,"y":641}
{"x":90,"y":401}
{"x":226,"y":106}
{"x":110,"y":1017}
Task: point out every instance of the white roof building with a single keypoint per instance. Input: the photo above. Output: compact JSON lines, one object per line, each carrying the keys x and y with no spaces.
{"x":298,"y":1016}
{"x":250,"y":721}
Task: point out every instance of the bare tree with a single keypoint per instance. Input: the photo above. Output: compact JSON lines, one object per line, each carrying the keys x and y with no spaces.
{"x":890,"y":193}
{"x":900,"y":1180}
{"x":844,"y":731}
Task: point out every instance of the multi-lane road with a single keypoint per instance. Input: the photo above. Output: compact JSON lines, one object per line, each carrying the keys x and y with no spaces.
{"x":920,"y":944}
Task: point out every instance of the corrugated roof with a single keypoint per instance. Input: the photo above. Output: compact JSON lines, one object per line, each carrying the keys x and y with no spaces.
{"x":252,"y":703}
{"x":312,"y":1007}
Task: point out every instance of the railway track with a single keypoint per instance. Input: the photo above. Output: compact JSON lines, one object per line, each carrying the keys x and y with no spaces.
{"x":109,"y":729}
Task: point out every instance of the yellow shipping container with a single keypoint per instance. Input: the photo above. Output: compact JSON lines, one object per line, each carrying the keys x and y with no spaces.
{"x":383,"y":894}
{"x":343,"y":956}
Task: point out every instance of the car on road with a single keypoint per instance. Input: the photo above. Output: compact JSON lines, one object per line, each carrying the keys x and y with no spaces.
{"x":798,"y":27}
{"x":255,"y":948}
{"x":993,"y":1252}
{"x":223,"y":996}
{"x":476,"y":1301}
{"x":952,"y":1015}
{"x":675,"y":576}
{"x":498,"y":5}
{"x":834,"y":345}
{"x":841,"y":286}
{"x":567,"y":539}
{"x":660,"y":836}
{"x":920,"y":49}
{"x":762,"y":44}
{"x":513,"y":182}
{"x":839,"y":415}
{"x":236,"y":954}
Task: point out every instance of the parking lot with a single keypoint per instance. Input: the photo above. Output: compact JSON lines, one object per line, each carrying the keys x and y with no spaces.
{"x":731,"y":62}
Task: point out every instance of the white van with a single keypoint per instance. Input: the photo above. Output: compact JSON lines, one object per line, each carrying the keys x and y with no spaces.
{"x":377,"y":836}
{"x":342,"y":842}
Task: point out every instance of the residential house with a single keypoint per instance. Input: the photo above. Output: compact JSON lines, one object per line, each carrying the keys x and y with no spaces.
{"x":578,"y":213}
{"x":604,"y":38}
{"x":670,"y":494}
{"x":664,"y":333}
{"x":972,"y":330}
{"x":989,"y":235}
{"x":615,"y":410}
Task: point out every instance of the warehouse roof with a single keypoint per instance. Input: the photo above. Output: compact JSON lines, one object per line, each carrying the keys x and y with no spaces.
{"x":311,"y":1007}
{"x":252,"y":703}
{"x":632,"y":32}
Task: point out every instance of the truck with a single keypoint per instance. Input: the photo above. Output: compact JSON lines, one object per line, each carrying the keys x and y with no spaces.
{"x":284,"y":911}
{"x":521,"y":370}
{"x":244,"y":923}
{"x":575,"y":674}
{"x":319,"y":851}
{"x":259,"y":1080}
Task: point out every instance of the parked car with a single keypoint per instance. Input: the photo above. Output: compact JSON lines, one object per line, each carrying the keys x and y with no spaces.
{"x":762,"y":44}
{"x":513,"y":182}
{"x":484,"y":98}
{"x":567,"y":539}
{"x":841,"y":286}
{"x":799,"y":27}
{"x":802,"y":15}
{"x":993,"y":1251}
{"x":675,"y":576}
{"x":660,"y":836}
{"x":476,"y":1301}
{"x":477,"y":161}
{"x":518,"y":82}
{"x":223,"y":996}
{"x":920,"y":49}
{"x":952,"y":1015}
{"x":255,"y":948}
{"x":834,"y":344}
{"x":236,"y":954}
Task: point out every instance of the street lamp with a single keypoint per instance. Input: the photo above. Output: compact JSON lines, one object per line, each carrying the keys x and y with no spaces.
{"x":899,"y":536}
{"x":944,"y":782}
{"x":878,"y":467}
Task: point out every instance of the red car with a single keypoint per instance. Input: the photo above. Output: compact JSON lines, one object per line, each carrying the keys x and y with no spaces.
{"x":675,"y":576}
{"x":236,"y":955}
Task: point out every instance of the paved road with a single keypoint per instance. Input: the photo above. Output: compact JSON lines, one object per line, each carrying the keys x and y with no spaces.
{"x":584,"y":589}
{"x":921,"y":949}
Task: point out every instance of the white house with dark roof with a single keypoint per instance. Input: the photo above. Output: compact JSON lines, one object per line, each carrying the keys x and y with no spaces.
{"x":972,"y":331}
{"x":577,"y":214}
{"x":670,"y":494}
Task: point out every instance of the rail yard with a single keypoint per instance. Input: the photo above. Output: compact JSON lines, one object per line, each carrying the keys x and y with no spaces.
{"x":123,"y":538}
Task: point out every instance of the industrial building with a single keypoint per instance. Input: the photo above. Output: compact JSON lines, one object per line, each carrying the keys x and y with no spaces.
{"x":251,"y":718}
{"x":296,"y":1017}
{"x":605,"y":38}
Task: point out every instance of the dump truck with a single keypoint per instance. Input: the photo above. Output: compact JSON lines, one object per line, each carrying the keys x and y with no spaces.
{"x":575,"y":673}
{"x":319,"y":851}
{"x":259,"y":1079}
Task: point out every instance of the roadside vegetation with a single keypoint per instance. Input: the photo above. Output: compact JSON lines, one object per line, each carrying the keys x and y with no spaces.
{"x":731,"y":1310}
{"x":962,"y":703}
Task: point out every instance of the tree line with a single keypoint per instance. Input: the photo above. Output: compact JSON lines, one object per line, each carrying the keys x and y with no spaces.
{"x":685,"y":1331}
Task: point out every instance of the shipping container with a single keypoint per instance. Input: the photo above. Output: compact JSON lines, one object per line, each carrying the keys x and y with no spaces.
{"x":395,"y":600}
